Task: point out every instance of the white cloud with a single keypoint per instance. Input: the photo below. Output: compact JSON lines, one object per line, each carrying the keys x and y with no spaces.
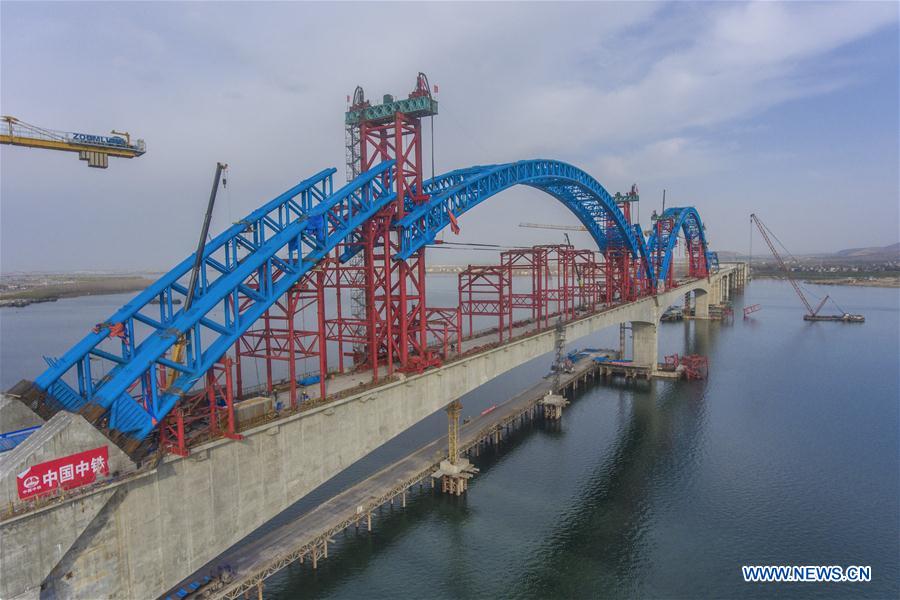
{"x":635,"y":91}
{"x":740,"y":61}
{"x":670,"y":158}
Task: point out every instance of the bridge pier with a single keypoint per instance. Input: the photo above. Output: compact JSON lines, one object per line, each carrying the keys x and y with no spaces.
{"x":455,"y":472}
{"x":717,"y":290}
{"x":645,"y":340}
{"x":701,"y":304}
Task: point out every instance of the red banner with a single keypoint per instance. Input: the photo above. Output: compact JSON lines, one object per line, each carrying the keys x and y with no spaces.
{"x":69,"y":472}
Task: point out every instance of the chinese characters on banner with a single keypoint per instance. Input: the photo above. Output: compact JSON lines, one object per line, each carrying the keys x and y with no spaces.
{"x":68,"y":472}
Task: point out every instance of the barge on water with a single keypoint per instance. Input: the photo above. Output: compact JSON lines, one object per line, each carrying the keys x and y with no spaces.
{"x":845,"y":318}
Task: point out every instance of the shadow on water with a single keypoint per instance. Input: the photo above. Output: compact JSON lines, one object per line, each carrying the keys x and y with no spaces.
{"x":601,"y":528}
{"x":355,"y":551}
{"x":786,"y":455}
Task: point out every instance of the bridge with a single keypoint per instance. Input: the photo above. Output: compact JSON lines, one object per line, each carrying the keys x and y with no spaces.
{"x":194,"y":458}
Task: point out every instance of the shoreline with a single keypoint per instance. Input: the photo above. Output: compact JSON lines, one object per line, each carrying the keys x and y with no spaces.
{"x":75,"y":287}
{"x":878,"y":282}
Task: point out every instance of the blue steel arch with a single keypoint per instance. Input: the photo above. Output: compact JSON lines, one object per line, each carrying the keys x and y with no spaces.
{"x":273,"y":248}
{"x":459,"y":191}
{"x":687,"y":220}
{"x":260,"y":257}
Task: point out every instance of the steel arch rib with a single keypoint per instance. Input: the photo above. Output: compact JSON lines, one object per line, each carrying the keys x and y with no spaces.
{"x":459,"y":191}
{"x":307,"y":221}
{"x":686,"y":219}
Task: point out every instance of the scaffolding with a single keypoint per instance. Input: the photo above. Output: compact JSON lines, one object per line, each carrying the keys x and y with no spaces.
{"x":486,"y":291}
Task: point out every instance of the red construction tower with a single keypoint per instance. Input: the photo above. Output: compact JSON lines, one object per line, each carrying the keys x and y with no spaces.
{"x":396,"y":323}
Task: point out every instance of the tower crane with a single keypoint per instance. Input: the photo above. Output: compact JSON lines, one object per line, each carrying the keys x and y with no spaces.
{"x":95,"y":149}
{"x":812,"y":314}
{"x":623,"y":200}
{"x":560,"y":227}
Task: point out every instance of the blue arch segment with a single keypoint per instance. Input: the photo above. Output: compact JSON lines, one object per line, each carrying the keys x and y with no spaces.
{"x":461,"y":190}
{"x":254,"y":263}
{"x":687,"y":220}
{"x":256,"y":260}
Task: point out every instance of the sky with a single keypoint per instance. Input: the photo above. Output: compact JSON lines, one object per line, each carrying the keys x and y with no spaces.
{"x":788,"y":110}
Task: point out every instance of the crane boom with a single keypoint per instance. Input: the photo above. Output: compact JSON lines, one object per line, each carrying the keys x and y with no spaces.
{"x":95,"y":149}
{"x":787,"y":272}
{"x":178,"y":348}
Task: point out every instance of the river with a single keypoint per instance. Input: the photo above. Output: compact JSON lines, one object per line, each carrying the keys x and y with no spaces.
{"x":787,"y":454}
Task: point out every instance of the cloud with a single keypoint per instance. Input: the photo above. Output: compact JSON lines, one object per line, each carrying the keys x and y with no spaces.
{"x":736,"y":62}
{"x":632,"y":91}
{"x":670,"y":158}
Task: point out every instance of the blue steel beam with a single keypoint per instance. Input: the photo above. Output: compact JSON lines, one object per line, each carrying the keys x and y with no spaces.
{"x":458,"y":191}
{"x":166,"y":288}
{"x":306,"y":221}
{"x":246,"y":234}
{"x":687,"y":220}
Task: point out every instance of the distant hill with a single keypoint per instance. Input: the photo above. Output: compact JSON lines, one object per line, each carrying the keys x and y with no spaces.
{"x":868,"y":254}
{"x":891,"y":252}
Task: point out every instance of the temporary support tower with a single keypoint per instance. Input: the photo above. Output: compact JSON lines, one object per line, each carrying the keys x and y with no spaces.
{"x":394,"y":289}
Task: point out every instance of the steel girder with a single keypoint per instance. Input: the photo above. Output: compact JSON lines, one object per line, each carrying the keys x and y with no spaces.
{"x":687,"y":220}
{"x":289,"y":234}
{"x":458,"y":191}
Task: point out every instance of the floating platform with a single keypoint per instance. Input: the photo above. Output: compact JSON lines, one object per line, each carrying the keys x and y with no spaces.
{"x":845,"y":318}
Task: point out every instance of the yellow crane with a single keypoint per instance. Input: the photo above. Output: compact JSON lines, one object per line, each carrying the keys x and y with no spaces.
{"x":95,"y":149}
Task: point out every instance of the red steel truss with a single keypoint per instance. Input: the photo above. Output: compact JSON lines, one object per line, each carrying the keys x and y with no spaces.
{"x":205,"y":414}
{"x":695,"y":366}
{"x":444,"y":327}
{"x":276,"y":336}
{"x":487,"y":291}
{"x":696,"y":259}
{"x":560,"y":280}
{"x":533,"y":261}
{"x":348,"y":330}
{"x":584,"y":281}
{"x":623,"y":277}
{"x":395,"y":290}
{"x":664,"y":228}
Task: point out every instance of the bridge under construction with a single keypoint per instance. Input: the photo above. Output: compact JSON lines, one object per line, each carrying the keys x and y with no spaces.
{"x":185,"y":456}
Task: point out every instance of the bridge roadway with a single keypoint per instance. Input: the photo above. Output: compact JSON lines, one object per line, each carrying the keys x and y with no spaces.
{"x":138,"y":536}
{"x":308,"y":536}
